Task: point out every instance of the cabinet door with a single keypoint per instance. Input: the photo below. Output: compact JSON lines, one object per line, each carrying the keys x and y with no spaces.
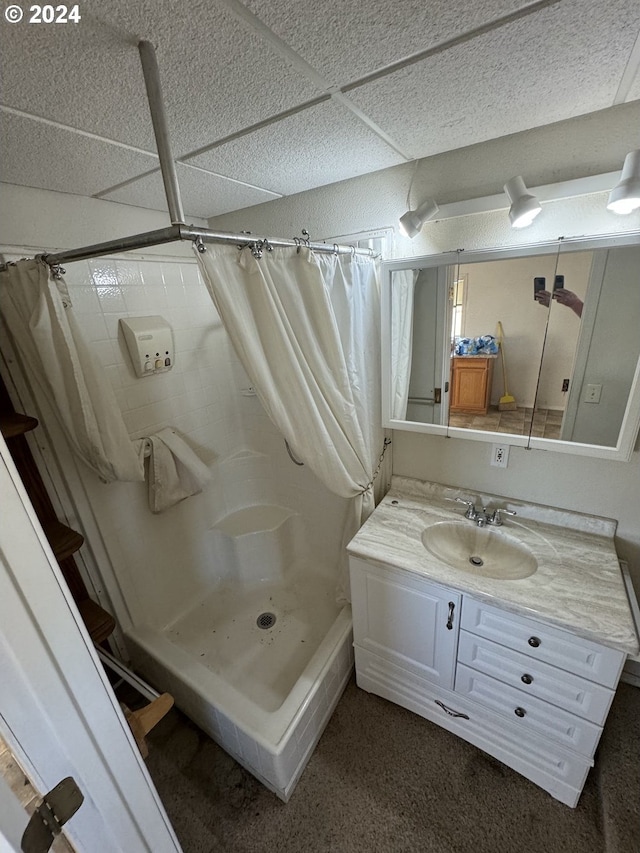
{"x":410,"y":621}
{"x":471,"y":385}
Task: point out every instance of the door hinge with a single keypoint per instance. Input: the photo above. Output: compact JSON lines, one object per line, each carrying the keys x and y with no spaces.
{"x":56,"y":808}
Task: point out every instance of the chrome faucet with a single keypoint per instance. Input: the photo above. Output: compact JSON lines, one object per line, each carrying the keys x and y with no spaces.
{"x":471,"y":511}
{"x":496,"y":517}
{"x":481,"y":517}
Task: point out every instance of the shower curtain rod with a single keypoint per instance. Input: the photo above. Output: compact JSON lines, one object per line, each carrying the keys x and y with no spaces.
{"x":178,"y":230}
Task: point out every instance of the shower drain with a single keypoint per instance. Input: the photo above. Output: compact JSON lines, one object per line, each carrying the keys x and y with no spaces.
{"x":476,"y":561}
{"x":266,"y":620}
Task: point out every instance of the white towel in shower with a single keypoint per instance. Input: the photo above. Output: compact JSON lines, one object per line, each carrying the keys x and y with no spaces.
{"x":174,"y":472}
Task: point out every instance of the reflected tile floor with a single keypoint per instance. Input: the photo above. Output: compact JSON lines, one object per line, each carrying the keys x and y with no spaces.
{"x":546,"y":422}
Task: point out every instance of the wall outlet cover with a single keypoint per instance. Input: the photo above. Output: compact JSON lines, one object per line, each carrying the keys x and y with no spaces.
{"x":500,"y":455}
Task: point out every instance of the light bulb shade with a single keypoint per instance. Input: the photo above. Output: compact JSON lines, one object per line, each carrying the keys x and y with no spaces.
{"x":413,"y":220}
{"x":625,"y":196}
{"x":524,"y":206}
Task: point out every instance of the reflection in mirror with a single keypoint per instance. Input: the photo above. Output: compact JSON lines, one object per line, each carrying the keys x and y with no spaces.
{"x":577,"y":301}
{"x":592,"y":345}
{"x":497,"y":392}
{"x":419,"y":345}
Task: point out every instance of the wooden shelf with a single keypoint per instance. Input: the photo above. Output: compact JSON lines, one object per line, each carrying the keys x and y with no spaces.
{"x":63,"y":540}
{"x":100,"y":624}
{"x":13,"y":424}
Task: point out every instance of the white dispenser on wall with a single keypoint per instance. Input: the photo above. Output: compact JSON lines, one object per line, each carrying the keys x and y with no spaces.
{"x":150,"y":344}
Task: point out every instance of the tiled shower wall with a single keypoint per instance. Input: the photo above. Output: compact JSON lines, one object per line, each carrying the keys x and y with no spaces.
{"x":164,"y":563}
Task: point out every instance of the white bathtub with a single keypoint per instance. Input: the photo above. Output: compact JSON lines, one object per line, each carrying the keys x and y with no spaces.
{"x":264,"y":694}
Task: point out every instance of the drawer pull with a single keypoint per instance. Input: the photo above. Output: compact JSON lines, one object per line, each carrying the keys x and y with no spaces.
{"x":534,"y":641}
{"x":449,"y":711}
{"x":519,"y":712}
{"x":527,"y":679}
{"x":450,"y":619}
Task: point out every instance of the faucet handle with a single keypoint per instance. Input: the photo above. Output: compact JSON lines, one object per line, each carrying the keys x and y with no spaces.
{"x":470,"y":505}
{"x":496,"y":518}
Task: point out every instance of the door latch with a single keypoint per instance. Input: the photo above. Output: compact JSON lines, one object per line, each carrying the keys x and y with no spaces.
{"x":56,"y":808}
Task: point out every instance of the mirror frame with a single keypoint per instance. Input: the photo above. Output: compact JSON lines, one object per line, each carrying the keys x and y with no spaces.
{"x":631,"y":421}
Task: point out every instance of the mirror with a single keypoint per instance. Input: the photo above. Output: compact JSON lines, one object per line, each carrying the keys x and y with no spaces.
{"x":538,"y":344}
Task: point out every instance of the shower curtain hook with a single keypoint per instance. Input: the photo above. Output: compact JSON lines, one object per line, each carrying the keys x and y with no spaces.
{"x":296,"y":240}
{"x":199,"y":244}
{"x":335,"y":249}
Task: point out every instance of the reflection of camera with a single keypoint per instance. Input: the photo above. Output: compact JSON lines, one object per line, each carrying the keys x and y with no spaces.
{"x":558,"y":284}
{"x":539,"y":284}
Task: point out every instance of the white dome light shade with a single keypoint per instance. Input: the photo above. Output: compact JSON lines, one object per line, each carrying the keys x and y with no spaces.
{"x":524,"y":206}
{"x":413,"y":220}
{"x":625,"y":196}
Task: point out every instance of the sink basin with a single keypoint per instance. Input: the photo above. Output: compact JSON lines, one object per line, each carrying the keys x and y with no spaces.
{"x":482,"y":551}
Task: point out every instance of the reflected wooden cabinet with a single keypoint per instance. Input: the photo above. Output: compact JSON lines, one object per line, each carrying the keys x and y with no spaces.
{"x":471,"y":380}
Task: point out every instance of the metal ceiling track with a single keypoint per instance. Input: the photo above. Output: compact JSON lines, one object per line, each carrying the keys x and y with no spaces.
{"x":178,"y":229}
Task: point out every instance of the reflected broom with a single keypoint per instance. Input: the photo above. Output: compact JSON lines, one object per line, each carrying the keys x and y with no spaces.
{"x":506,"y":403}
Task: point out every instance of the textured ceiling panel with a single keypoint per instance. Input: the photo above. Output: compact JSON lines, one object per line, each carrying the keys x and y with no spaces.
{"x":564,"y":61}
{"x":346,"y":40}
{"x":203,"y":195}
{"x":217,"y":77}
{"x":39,"y":155}
{"x":319,"y":146}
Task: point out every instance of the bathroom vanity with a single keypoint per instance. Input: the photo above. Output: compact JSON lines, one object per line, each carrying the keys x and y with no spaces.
{"x":512,"y":635}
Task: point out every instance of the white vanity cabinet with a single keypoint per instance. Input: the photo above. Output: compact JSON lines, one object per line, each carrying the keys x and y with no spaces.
{"x":534,"y":696}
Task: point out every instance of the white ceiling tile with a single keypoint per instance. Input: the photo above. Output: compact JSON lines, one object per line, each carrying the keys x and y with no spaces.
{"x":318,"y":146}
{"x":203,"y":195}
{"x":347,"y":40}
{"x":41,"y":155}
{"x":565,"y":61}
{"x":217,"y":77}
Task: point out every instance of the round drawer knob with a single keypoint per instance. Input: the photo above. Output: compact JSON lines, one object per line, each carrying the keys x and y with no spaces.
{"x":534,"y":641}
{"x":527,"y":679}
{"x":519,"y":712}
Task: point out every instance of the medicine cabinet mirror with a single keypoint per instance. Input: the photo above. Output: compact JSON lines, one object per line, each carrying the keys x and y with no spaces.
{"x":536,"y":346}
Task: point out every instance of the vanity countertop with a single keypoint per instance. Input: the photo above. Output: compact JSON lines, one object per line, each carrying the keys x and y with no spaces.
{"x":578,"y":584}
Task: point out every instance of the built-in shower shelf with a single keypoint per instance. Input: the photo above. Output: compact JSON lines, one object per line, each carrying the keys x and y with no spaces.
{"x":63,"y":540}
{"x":253,"y":519}
{"x":13,"y":424}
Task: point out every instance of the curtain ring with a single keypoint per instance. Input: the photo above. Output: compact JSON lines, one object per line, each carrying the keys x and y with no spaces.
{"x":335,"y":249}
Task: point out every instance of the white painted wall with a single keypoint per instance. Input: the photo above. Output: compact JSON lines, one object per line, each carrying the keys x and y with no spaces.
{"x":558,"y":152}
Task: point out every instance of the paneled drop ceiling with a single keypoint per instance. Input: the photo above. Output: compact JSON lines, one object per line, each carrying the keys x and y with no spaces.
{"x":267,"y":98}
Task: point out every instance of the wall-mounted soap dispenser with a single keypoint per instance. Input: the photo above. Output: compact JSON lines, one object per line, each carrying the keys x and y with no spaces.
{"x":150,"y":344}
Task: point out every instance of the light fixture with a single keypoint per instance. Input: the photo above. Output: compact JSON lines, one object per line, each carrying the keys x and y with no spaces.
{"x":412,"y":221}
{"x":524,"y":206}
{"x":625,"y":196}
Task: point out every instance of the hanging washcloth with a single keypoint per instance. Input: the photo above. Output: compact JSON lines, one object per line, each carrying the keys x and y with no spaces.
{"x":174,"y":472}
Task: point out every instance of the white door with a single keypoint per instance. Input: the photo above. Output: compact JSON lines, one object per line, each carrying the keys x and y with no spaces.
{"x":406,"y":619}
{"x":57,"y":710}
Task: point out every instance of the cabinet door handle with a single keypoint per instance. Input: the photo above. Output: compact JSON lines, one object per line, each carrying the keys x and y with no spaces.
{"x":449,"y":711}
{"x":534,"y":642}
{"x":519,"y":712}
{"x":527,"y":679}
{"x":450,"y":619}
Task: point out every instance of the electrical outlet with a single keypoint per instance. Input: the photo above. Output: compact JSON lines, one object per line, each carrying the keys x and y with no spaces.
{"x":592,"y":393}
{"x":500,"y":455}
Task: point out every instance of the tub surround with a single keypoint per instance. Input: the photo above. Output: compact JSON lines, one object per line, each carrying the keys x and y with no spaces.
{"x":578,"y":585}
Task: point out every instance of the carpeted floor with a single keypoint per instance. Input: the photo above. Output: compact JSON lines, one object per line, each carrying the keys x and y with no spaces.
{"x":383,"y":780}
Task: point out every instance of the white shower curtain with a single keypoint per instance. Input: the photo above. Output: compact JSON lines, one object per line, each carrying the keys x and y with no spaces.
{"x":306,"y":329}
{"x":37,"y":312}
{"x":403,"y":284}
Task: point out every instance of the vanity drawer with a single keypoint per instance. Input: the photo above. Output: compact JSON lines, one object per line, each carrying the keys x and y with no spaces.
{"x":542,"y":642}
{"x":535,"y":678}
{"x":534,"y":715}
